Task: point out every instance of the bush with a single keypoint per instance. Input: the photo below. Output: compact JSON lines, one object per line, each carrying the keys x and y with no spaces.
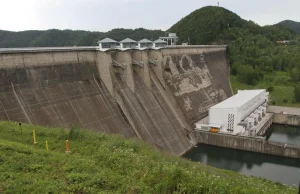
{"x":297,"y":93}
{"x":270,"y":89}
{"x":285,"y":100}
{"x":74,"y":133}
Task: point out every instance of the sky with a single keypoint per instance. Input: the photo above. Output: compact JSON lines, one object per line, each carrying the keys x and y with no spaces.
{"x":104,"y":15}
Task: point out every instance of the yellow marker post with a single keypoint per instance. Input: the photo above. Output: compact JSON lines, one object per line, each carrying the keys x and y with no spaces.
{"x":67,"y":147}
{"x":34,"y":137}
{"x":47,"y":145}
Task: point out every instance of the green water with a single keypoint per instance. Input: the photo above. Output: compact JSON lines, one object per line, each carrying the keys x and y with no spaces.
{"x":285,"y":134}
{"x":275,"y":168}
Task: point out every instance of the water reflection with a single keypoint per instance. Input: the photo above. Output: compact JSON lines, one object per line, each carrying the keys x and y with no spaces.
{"x":281,"y":169}
{"x":285,"y":134}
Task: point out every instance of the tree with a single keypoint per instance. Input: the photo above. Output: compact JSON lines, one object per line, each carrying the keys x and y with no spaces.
{"x":295,"y":74}
{"x":246,"y":74}
{"x":297,"y":93}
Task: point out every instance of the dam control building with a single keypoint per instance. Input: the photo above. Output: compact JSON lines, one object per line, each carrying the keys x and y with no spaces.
{"x":240,"y":114}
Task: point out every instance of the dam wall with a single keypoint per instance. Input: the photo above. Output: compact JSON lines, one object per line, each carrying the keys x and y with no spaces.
{"x":153,"y":95}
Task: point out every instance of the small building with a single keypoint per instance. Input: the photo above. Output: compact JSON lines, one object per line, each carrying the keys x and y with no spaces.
{"x":171,"y":39}
{"x":145,"y":43}
{"x":239,"y":113}
{"x":128,"y":44}
{"x":107,"y":43}
{"x":160,"y":44}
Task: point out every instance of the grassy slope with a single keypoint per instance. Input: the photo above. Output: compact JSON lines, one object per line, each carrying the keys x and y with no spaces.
{"x":100,"y":163}
{"x":281,"y":89}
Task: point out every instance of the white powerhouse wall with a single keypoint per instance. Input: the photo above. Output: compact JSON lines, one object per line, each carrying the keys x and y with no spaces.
{"x":220,"y":115}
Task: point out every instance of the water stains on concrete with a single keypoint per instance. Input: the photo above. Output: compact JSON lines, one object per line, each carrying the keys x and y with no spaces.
{"x":152,"y":95}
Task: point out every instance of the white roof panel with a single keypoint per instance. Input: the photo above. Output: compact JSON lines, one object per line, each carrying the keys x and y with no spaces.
{"x":107,"y":40}
{"x":127,"y":40}
{"x":160,"y":41}
{"x":145,"y":41}
{"x":238,"y":100}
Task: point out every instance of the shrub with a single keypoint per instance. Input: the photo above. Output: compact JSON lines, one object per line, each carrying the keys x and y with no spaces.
{"x":297,"y":93}
{"x":285,"y":100}
{"x":270,"y":89}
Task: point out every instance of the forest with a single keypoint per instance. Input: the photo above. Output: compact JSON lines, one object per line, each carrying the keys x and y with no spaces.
{"x":54,"y":37}
{"x":290,"y":24}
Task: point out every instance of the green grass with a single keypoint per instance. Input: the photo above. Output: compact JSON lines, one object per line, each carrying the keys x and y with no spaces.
{"x":100,"y":163}
{"x":282,"y":94}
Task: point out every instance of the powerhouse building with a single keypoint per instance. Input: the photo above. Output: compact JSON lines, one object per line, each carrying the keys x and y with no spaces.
{"x":239,"y":113}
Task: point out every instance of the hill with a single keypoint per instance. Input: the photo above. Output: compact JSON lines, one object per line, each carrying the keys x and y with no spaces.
{"x":209,"y":25}
{"x":291,"y":25}
{"x":100,"y":163}
{"x":257,"y":61}
{"x":56,"y":37}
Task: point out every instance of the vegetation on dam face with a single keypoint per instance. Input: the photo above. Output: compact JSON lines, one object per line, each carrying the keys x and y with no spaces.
{"x":100,"y":163}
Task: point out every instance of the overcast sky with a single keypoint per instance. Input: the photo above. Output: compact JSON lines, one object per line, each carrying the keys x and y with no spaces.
{"x":104,"y":15}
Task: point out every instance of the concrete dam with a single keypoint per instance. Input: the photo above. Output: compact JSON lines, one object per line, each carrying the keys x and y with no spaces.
{"x":153,"y":95}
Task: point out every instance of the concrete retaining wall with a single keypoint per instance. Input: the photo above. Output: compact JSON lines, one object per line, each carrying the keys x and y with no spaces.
{"x":154,"y":95}
{"x":248,"y":144}
{"x":285,"y":115}
{"x":286,"y":119}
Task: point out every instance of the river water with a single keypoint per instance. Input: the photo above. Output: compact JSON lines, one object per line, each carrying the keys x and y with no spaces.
{"x":275,"y":168}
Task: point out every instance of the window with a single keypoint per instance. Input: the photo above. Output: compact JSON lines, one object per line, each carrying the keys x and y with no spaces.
{"x":230,"y":126}
{"x":105,"y":45}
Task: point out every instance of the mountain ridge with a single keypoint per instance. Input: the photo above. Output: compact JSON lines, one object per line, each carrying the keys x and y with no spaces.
{"x":290,"y":24}
{"x":55,"y":37}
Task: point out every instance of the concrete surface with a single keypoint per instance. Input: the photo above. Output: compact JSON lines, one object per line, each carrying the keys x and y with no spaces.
{"x":264,"y":125}
{"x":156,"y":101}
{"x":198,"y":78}
{"x":285,"y":115}
{"x":286,"y":110}
{"x":248,"y":144}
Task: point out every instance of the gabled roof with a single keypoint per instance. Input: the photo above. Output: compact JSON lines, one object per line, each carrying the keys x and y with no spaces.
{"x":145,"y":41}
{"x":127,"y":40}
{"x":107,"y":40}
{"x":160,"y":41}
